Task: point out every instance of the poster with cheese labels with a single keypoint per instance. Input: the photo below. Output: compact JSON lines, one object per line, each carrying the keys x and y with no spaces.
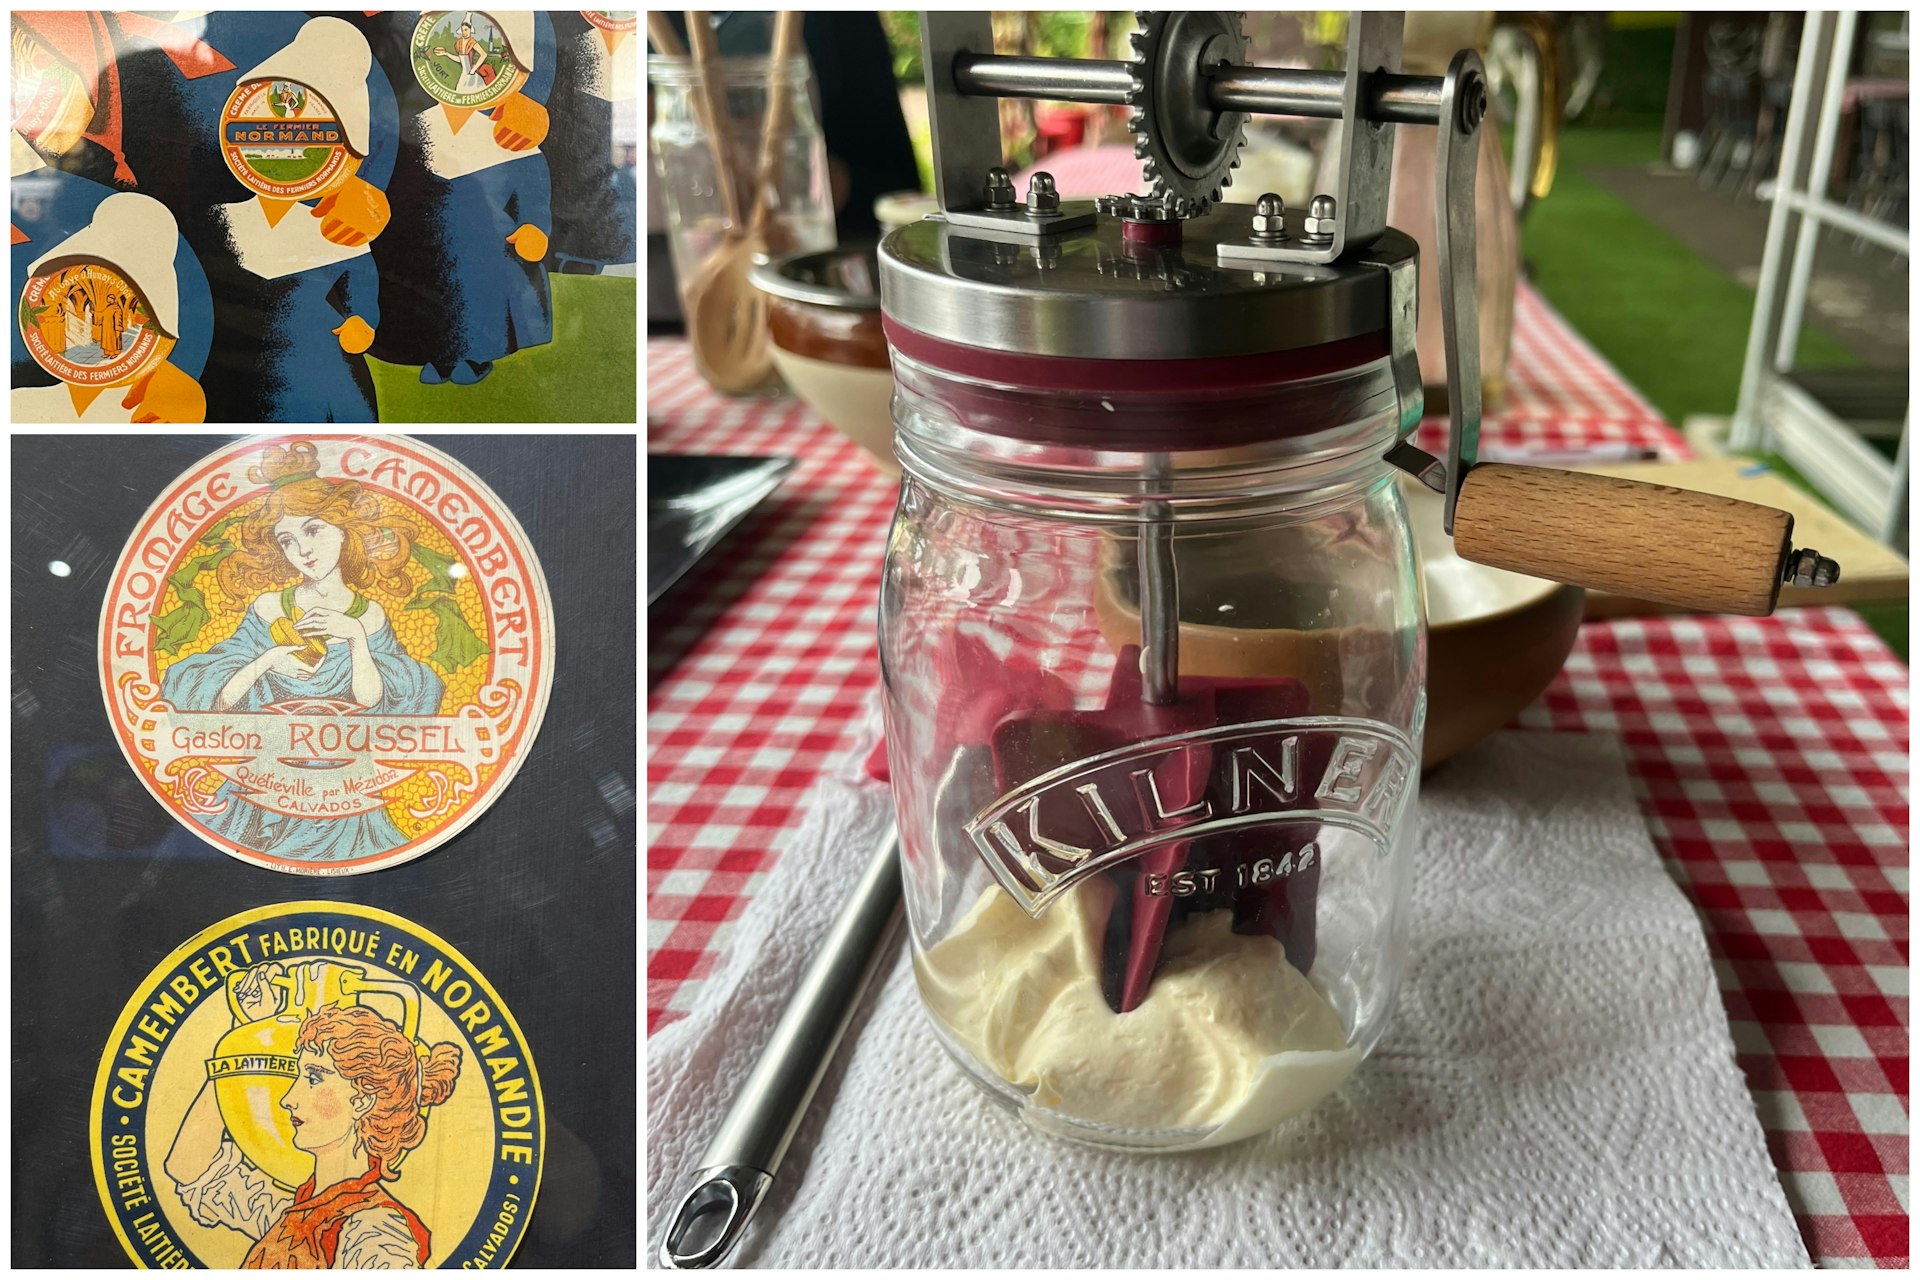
{"x":363,"y":216}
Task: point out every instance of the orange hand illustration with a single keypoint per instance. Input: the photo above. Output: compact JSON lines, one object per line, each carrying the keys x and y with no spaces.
{"x":355,"y":335}
{"x":167,"y":394}
{"x":354,"y":214}
{"x":519,"y":123}
{"x":529,"y":241}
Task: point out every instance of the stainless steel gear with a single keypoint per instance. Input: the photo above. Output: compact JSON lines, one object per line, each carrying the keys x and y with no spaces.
{"x":1189,"y":150}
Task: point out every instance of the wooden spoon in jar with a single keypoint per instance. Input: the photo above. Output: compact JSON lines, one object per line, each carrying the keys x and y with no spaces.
{"x":726,"y":312}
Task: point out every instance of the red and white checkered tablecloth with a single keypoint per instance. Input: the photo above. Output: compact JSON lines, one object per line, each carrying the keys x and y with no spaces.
{"x":1769,"y":755}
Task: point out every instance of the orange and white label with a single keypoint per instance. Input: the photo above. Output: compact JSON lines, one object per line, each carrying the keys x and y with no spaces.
{"x":327,"y":655}
{"x":282,"y":140}
{"x":85,"y":323}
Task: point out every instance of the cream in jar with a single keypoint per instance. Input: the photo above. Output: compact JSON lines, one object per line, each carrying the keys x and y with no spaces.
{"x":1230,"y":1039}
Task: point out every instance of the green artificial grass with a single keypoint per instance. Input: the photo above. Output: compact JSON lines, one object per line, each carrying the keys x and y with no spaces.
{"x":1891,"y":620}
{"x":586,"y":374}
{"x":1674,"y":325}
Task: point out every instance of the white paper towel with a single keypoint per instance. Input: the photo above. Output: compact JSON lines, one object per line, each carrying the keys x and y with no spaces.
{"x":1558,"y":1087}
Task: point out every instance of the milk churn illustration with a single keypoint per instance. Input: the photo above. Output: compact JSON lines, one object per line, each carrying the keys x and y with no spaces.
{"x":255,"y":1062}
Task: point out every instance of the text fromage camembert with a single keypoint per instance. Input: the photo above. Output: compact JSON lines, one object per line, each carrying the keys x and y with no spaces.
{"x":1230,"y":1038}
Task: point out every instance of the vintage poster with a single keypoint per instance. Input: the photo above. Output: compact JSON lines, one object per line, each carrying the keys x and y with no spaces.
{"x":327,"y":655}
{"x":317,"y":1084}
{"x":350,"y":217}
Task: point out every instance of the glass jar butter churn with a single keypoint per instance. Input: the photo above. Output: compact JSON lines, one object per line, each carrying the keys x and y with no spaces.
{"x":1152,"y":628}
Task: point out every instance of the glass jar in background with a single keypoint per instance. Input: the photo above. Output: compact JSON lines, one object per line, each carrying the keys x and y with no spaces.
{"x":800,"y":205}
{"x":1153,"y":644}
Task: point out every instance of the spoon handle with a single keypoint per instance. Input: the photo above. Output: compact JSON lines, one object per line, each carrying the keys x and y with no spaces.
{"x":786,"y":39}
{"x":664,"y":38}
{"x":706,"y":56}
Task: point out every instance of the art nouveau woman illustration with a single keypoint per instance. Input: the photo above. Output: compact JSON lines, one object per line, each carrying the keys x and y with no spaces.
{"x":308,"y":555}
{"x":356,"y":1103}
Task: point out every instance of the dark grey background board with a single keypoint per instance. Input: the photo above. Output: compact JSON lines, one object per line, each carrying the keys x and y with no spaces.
{"x":539,"y":892}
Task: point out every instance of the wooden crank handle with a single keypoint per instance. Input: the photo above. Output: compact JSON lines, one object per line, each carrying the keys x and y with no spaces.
{"x":1647,"y":541}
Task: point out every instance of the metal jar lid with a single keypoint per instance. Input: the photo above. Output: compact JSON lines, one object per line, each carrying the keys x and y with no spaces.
{"x":1092,"y":294}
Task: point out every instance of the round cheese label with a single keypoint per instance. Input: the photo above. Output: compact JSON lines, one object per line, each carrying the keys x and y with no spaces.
{"x":85,"y":323}
{"x":317,"y":1084}
{"x":326,"y":654}
{"x":282,"y":140}
{"x":462,"y":58}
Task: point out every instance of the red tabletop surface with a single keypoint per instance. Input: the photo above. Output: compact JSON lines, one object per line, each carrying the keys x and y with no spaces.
{"x":1768,"y":754}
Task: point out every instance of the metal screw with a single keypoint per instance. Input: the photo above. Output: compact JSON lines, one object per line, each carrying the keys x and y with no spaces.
{"x":1473,"y":103}
{"x":1041,"y":195}
{"x":1269,"y":214}
{"x":1321,"y":215}
{"x":1000,"y":193}
{"x":1808,"y":568}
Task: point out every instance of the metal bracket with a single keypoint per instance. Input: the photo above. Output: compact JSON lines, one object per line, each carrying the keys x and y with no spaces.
{"x":1366,"y":152}
{"x":966,"y":137}
{"x":1403,"y":323}
{"x":1018,"y":225}
{"x":966,"y":129}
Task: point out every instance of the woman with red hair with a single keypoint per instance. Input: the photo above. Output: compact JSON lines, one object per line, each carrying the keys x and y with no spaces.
{"x":308,"y":553}
{"x":358,"y":1104}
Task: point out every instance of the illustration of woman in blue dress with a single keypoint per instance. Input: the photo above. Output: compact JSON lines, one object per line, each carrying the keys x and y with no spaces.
{"x":308,"y":555}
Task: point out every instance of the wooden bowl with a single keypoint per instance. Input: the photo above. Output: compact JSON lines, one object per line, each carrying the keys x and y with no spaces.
{"x":1495,"y":640}
{"x":823,"y":319}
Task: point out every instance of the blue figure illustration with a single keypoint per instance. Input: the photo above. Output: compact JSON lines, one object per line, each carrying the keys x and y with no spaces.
{"x":58,"y":215}
{"x":595,"y":182}
{"x":463,"y":267}
{"x":308,"y":554}
{"x":68,"y":129}
{"x":296,"y":288}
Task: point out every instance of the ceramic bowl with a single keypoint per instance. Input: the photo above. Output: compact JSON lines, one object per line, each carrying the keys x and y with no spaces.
{"x":823,"y":318}
{"x":1495,"y":640}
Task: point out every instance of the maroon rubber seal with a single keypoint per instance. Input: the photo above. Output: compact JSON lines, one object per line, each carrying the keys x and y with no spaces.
{"x":1212,"y":402}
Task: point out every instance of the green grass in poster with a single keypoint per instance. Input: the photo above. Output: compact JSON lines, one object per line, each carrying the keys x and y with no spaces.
{"x":586,"y":374}
{"x":285,"y":169}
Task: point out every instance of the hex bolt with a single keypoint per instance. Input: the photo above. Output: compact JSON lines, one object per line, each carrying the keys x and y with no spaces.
{"x":1000,"y":192}
{"x":1321,"y":215}
{"x":1269,"y":219}
{"x":1042,"y":197}
{"x":1808,"y":568}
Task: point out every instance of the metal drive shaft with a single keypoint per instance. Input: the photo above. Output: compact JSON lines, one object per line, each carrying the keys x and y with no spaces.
{"x":1387,"y":98}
